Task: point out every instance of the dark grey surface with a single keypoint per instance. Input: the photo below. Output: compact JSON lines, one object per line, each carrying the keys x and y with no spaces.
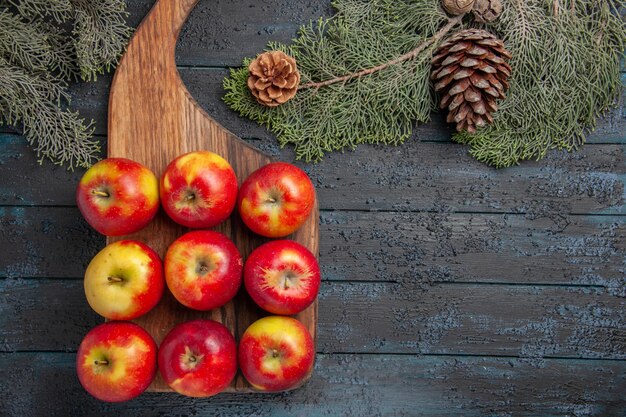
{"x":450,"y":288}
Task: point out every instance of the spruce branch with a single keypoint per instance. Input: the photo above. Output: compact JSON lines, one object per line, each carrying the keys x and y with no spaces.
{"x":39,"y":54}
{"x":36,"y":46}
{"x":452,"y":22}
{"x":59,"y":10}
{"x":566,"y":74}
{"x":377,"y":107}
{"x":32,"y":100}
{"x":99,"y":31}
{"x":360,"y":85}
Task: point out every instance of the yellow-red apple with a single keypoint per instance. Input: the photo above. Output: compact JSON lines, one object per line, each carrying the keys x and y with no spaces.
{"x":124,"y":280}
{"x":118,"y":196}
{"x":116,"y":361}
{"x":276,"y":353}
{"x":198,"y":358}
{"x":199,"y":189}
{"x":203,"y":269}
{"x":282,"y":277}
{"x":276,"y":199}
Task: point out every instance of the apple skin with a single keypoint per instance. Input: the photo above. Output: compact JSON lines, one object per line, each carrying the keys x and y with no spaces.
{"x":199,"y":189}
{"x":128,"y":361}
{"x":124,"y":280}
{"x":276,"y":199}
{"x":276,"y":353}
{"x":198,"y":358}
{"x":203,"y":269}
{"x":282,"y":277}
{"x":118,"y":196}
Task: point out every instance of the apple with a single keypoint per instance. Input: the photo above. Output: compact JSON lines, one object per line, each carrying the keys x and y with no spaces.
{"x":275,"y":200}
{"x":282,"y":277}
{"x":118,"y":196}
{"x":198,"y":358}
{"x":199,"y":189}
{"x":116,"y":361}
{"x":203,"y":269}
{"x":124,"y":280}
{"x":276,"y":353}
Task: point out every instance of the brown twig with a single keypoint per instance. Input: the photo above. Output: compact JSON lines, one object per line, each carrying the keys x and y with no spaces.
{"x":555,"y":4}
{"x":409,"y":55}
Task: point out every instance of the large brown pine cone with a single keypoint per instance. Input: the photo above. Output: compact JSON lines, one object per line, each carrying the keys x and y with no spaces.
{"x":273,"y":78}
{"x":470,"y":72}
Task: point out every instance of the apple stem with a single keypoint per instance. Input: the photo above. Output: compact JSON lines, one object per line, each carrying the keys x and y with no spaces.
{"x":271,"y":200}
{"x":190,"y":197}
{"x":115,"y":279}
{"x":286,"y":283}
{"x":99,"y":362}
{"x":100,"y":193}
{"x":274,"y":353}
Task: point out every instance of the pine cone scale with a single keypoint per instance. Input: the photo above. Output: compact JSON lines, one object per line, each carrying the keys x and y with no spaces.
{"x":470,"y":63}
{"x":470,"y":71}
{"x":459,"y":87}
{"x":472,"y":95}
{"x":456,"y":102}
{"x":477,"y":50}
{"x":479,"y":81}
{"x":445,"y":71}
{"x":463,"y":73}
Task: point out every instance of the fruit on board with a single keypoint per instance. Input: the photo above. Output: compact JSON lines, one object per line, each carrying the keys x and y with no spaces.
{"x":276,"y":353}
{"x":198,"y":358}
{"x":199,"y":189}
{"x":203,"y":269}
{"x":276,"y":199}
{"x":118,"y":196}
{"x":124,"y":280}
{"x":282,"y":277}
{"x":116,"y":361}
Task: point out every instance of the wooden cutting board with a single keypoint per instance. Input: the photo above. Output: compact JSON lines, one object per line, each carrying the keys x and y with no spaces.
{"x":152,"y":120}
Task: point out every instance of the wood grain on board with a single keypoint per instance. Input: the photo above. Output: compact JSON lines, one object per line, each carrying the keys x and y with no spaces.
{"x":152,"y":120}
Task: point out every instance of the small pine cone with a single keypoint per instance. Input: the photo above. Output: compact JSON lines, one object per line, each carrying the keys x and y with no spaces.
{"x":273,"y":78}
{"x":457,"y":7}
{"x":470,"y":72}
{"x":486,"y":11}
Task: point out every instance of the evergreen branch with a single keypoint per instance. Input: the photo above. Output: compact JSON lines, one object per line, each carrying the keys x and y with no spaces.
{"x":378,"y":108}
{"x":566,"y":74}
{"x":32,"y":99}
{"x":452,"y":22}
{"x":37,"y":57}
{"x":35,"y":45}
{"x":59,"y":10}
{"x":101,"y":34}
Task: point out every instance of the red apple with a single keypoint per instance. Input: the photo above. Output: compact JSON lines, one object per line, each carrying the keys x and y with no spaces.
{"x":118,"y":196}
{"x":116,"y":361}
{"x":124,"y":280}
{"x":276,"y":353}
{"x":198,"y":358}
{"x":203,"y":269}
{"x":282,"y":277}
{"x":199,"y":189}
{"x":275,"y":200}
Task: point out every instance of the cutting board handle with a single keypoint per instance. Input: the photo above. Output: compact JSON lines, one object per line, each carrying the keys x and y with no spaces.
{"x":164,"y":22}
